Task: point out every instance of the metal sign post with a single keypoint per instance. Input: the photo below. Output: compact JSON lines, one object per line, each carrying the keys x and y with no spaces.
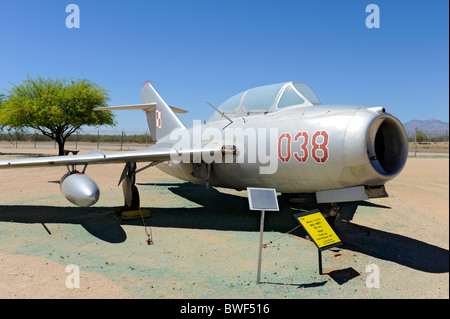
{"x":261,"y":230}
{"x":320,"y":262}
{"x":263,"y":199}
{"x":319,"y":230}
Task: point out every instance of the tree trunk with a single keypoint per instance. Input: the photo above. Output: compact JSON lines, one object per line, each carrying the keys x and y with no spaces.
{"x":61,"y":149}
{"x":60,"y":141}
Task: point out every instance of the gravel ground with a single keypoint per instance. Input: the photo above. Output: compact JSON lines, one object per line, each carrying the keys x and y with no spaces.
{"x":206,"y":241}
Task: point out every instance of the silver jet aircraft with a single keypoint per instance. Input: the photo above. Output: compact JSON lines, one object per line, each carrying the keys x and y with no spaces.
{"x":275,"y":136}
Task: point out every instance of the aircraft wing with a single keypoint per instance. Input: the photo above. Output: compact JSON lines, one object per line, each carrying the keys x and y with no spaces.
{"x":157,"y":152}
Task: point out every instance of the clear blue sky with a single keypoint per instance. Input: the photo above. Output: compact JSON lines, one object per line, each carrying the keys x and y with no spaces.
{"x":196,"y":51}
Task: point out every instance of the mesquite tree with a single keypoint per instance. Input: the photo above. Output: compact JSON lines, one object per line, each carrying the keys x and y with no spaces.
{"x":56,"y":108}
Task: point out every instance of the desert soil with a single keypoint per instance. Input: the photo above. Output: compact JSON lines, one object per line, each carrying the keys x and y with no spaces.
{"x":206,"y":241}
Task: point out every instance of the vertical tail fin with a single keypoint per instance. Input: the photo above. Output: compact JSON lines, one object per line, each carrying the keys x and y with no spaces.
{"x":161,"y":119}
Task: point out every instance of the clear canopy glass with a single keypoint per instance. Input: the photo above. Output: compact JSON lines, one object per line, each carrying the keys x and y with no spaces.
{"x":267,"y":99}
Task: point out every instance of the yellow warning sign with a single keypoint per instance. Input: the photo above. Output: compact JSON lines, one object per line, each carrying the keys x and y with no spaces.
{"x":318,"y":228}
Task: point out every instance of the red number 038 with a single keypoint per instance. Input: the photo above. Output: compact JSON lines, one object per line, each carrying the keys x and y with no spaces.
{"x":319,"y":150}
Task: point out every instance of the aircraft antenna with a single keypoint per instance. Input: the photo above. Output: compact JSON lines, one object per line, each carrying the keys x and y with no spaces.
{"x":221,"y":113}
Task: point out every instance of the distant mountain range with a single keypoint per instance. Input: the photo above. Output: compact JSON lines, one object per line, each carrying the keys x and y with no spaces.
{"x":426,"y":125}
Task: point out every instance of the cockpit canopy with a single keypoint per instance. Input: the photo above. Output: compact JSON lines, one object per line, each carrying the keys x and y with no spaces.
{"x":267,"y":99}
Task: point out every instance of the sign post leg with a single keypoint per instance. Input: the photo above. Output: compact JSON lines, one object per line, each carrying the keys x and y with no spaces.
{"x":261,"y":230}
{"x":320,"y":262}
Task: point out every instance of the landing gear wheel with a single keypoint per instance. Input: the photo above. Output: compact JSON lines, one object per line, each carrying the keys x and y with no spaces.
{"x":135,"y":200}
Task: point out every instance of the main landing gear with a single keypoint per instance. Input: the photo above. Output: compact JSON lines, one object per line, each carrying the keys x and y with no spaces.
{"x":131,"y":208}
{"x":130,"y":191}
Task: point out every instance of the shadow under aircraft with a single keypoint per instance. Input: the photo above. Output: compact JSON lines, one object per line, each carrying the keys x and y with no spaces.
{"x":229,"y":212}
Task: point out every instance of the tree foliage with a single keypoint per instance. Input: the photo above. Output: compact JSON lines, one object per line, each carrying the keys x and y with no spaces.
{"x":56,"y":108}
{"x":2,"y":99}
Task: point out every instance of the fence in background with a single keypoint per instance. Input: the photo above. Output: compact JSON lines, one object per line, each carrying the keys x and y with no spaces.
{"x":101,"y":139}
{"x":124,"y":140}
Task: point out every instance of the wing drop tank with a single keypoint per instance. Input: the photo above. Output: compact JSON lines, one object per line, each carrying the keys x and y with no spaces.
{"x":79,"y":189}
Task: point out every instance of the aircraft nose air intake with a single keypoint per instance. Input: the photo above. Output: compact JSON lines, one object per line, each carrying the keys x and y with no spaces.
{"x":377,"y":156}
{"x":387,"y":145}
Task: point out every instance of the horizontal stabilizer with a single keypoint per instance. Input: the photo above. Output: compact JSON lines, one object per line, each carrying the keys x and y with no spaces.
{"x":147,"y":107}
{"x":177,"y":110}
